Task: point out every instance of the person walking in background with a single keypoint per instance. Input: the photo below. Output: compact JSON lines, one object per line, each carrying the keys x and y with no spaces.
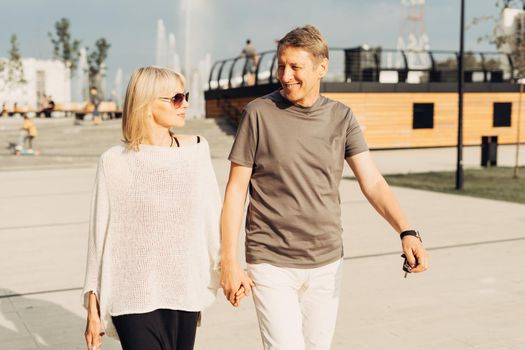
{"x":289,"y":155}
{"x":94,"y":100}
{"x":252,"y":60}
{"x":153,"y":258}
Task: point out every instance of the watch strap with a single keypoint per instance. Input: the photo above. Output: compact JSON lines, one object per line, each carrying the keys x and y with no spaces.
{"x":410,"y":233}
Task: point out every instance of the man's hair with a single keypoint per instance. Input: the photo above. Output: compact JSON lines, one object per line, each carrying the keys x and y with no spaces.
{"x":308,"y":38}
{"x":248,"y":41}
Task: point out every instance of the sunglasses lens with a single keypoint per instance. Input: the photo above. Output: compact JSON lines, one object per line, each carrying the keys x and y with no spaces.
{"x":178,"y":98}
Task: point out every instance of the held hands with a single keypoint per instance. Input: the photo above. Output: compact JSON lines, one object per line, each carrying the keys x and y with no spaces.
{"x":235,"y":283}
{"x":415,"y":254}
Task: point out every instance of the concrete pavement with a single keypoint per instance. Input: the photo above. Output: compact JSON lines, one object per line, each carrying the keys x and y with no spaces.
{"x":471,"y":298}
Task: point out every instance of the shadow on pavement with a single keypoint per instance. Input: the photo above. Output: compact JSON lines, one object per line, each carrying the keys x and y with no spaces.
{"x":27,"y":323}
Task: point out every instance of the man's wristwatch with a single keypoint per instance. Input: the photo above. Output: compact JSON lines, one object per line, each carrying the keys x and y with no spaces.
{"x":410,"y":233}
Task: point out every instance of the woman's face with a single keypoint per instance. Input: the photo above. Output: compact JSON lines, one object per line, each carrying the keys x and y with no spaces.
{"x":167,"y":110}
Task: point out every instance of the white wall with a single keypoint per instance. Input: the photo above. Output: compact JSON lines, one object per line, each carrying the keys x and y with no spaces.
{"x":57,"y":83}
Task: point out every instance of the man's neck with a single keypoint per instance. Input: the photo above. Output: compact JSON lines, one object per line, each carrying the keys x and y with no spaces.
{"x":305,"y":103}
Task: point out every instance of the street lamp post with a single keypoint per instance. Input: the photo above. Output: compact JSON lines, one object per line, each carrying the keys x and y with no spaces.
{"x":459,"y":165}
{"x":517,"y":163}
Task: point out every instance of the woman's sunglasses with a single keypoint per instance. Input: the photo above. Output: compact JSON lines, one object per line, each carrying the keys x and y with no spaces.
{"x":177,"y":100}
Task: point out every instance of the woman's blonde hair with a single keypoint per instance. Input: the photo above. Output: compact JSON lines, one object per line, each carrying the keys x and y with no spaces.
{"x":144,"y":87}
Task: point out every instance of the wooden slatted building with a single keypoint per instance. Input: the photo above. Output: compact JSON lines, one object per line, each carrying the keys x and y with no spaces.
{"x":403,"y":114}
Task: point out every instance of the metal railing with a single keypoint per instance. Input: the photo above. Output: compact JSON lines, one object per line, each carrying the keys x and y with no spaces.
{"x":372,"y":64}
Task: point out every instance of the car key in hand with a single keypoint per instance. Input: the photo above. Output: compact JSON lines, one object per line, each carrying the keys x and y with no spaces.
{"x":406,"y":266}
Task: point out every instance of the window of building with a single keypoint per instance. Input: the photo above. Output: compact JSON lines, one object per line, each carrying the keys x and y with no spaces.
{"x":423,"y":116}
{"x":501,"y":114}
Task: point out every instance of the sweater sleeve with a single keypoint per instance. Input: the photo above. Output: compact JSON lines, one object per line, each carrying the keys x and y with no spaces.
{"x":98,"y":224}
{"x":213,"y":212}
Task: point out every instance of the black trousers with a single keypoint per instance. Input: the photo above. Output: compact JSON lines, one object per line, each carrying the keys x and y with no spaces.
{"x":160,"y":329}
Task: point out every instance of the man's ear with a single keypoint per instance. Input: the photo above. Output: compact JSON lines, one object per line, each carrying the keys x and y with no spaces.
{"x":322,"y":67}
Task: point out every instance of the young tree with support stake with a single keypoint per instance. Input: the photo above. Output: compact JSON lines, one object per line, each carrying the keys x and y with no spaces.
{"x":65,"y":48}
{"x":96,"y":62}
{"x":12,"y":69}
{"x":515,"y":45}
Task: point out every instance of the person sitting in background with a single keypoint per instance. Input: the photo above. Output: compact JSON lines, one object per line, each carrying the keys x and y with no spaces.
{"x":3,"y":112}
{"x":42,"y":103}
{"x":15,"y":110}
{"x":47,"y":108}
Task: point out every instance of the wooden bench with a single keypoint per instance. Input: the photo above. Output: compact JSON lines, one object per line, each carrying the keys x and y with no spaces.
{"x":19,"y":110}
{"x":69,"y":108}
{"x":107,"y":109}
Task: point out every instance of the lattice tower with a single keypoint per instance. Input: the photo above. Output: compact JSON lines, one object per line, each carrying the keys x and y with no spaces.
{"x":412,"y":35}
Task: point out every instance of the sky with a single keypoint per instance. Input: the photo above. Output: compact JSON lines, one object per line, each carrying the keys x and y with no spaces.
{"x":220,"y":27}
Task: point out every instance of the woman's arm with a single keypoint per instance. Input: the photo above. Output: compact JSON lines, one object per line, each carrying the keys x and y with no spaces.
{"x":98,"y":224}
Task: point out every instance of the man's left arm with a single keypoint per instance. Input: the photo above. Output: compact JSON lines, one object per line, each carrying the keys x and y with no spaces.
{"x":380,"y":196}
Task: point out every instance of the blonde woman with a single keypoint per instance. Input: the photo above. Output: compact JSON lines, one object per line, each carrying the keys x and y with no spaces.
{"x":152,"y":262}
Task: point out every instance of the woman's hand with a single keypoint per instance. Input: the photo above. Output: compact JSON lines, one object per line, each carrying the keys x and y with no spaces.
{"x":235,"y":283}
{"x":93,"y":333}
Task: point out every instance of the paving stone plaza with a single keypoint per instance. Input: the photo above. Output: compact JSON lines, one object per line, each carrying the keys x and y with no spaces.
{"x":472,"y":297}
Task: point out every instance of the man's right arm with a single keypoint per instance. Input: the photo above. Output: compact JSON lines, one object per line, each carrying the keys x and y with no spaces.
{"x":232,"y":276}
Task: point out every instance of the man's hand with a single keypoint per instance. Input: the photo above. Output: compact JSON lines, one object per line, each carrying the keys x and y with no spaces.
{"x":415,"y":254}
{"x":235,"y":283}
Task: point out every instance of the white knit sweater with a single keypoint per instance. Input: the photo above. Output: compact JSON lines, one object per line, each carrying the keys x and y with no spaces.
{"x":154,"y":231}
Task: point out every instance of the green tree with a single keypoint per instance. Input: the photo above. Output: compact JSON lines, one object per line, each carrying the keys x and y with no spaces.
{"x":510,"y":3}
{"x":2,"y":68}
{"x":65,"y":48}
{"x":514,"y":44}
{"x":12,"y":69}
{"x":96,"y":62}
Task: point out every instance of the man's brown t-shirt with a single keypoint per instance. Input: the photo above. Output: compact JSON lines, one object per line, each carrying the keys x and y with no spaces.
{"x":297,"y":156}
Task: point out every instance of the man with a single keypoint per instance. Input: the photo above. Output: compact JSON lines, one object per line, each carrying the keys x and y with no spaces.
{"x":251,"y":61}
{"x":289,"y":151}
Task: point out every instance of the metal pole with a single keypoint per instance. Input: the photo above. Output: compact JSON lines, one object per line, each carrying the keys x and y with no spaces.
{"x":517,"y":164}
{"x":459,"y":165}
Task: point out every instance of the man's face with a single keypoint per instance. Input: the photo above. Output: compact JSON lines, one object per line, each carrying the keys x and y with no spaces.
{"x":300,"y":75}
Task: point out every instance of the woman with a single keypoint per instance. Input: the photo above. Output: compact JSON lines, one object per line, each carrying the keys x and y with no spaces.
{"x":154,"y":232}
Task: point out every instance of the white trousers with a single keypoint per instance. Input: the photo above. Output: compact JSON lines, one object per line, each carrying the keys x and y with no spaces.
{"x":296,"y":308}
